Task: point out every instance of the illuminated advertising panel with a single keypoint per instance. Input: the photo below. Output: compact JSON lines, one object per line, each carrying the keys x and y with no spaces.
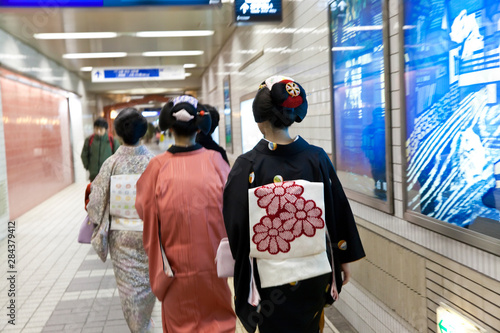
{"x":359,"y":95}
{"x":452,"y":76}
{"x":228,"y":116}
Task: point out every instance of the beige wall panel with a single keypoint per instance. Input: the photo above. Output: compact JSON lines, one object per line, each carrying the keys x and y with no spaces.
{"x":386,"y":274}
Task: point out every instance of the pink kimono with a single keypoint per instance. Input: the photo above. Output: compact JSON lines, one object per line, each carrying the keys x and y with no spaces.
{"x":182,"y":192}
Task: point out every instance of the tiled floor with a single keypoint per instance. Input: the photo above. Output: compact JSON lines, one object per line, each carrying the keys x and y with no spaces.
{"x":61,"y":285}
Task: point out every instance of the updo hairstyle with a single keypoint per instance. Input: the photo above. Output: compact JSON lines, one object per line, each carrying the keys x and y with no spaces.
{"x":185,"y":115}
{"x":281,"y":101}
{"x":130,"y":125}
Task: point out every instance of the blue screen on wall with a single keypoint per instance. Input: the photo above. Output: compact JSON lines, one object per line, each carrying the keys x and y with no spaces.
{"x":359,"y":95}
{"x":452,"y":77}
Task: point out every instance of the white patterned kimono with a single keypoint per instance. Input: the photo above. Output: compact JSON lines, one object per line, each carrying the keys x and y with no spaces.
{"x":130,"y":262}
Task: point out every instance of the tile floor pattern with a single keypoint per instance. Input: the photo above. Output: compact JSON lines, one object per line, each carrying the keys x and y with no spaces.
{"x":61,"y":285}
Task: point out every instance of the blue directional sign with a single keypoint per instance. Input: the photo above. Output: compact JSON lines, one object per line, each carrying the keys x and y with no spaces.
{"x":257,"y":11}
{"x":120,"y":74}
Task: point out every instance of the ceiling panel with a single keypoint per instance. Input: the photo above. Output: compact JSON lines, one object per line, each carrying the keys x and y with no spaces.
{"x":24,"y":22}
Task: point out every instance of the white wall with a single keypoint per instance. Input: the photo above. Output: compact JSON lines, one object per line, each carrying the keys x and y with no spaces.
{"x":298,"y":47}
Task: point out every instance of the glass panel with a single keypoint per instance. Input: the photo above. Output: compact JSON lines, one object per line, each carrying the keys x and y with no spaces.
{"x":452,"y":72}
{"x":359,"y":95}
{"x":250,"y":133}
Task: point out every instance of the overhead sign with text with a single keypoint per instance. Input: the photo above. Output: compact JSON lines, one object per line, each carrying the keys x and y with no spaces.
{"x":257,"y":10}
{"x":125,"y":74}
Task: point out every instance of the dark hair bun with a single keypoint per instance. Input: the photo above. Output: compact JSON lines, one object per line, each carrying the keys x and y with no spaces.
{"x":280,"y":100}
{"x":130,"y":125}
{"x":185,"y":115}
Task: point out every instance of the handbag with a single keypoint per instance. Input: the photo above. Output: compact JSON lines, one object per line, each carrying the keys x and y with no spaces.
{"x":224,"y":259}
{"x":86,"y":231}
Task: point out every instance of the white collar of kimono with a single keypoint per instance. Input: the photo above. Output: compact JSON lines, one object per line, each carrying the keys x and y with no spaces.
{"x":296,"y":138}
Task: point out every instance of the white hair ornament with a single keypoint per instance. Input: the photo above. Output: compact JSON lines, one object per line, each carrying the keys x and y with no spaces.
{"x":182,"y":115}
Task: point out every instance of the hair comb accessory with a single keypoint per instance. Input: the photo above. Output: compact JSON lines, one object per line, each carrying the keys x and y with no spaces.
{"x":294,"y":99}
{"x":182,"y":115}
{"x":275,"y":79}
{"x":186,"y":99}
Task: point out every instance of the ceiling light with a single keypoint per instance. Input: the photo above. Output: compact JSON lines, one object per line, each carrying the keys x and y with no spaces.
{"x":150,"y":113}
{"x":190,"y":65}
{"x":76,"y":35}
{"x":113,"y":114}
{"x":187,"y":74}
{"x":86,"y":69}
{"x":94,"y":55}
{"x":12,"y":56}
{"x":179,"y":33}
{"x":172,"y":53}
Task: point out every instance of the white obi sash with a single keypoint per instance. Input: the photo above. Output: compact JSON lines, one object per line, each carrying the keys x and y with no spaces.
{"x":287,"y":231}
{"x":122,"y":203}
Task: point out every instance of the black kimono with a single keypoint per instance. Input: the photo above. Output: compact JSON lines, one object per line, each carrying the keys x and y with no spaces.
{"x":294,"y":307}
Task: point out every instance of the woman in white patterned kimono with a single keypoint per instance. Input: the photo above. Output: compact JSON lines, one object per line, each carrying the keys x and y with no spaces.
{"x":130,"y":262}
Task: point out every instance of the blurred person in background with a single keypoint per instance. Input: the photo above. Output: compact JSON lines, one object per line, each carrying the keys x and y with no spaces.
{"x":98,"y":147}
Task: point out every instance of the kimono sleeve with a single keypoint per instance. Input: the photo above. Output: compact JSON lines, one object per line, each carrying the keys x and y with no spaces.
{"x":235,"y":209}
{"x":146,"y":206}
{"x":345,"y":238}
{"x":222,"y":167}
{"x":99,"y":194}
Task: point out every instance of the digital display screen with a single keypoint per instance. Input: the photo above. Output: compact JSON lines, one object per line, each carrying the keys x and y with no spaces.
{"x":359,"y":95}
{"x":228,"y":116}
{"x":452,"y":76}
{"x":104,"y":3}
{"x":257,"y":11}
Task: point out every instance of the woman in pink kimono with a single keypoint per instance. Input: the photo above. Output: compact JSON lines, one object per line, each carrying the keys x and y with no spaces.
{"x":179,"y":198}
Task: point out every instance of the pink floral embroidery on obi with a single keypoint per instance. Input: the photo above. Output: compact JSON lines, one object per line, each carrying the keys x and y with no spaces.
{"x":304,"y":217}
{"x":274,"y":196}
{"x":289,"y":216}
{"x":270,"y":235}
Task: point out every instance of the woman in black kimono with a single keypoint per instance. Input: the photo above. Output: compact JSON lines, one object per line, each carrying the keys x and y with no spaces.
{"x":283,"y":203}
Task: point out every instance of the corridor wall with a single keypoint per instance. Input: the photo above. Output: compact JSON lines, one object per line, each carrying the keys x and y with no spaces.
{"x":37,"y":142}
{"x":410,"y":269}
{"x":44,"y":108}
